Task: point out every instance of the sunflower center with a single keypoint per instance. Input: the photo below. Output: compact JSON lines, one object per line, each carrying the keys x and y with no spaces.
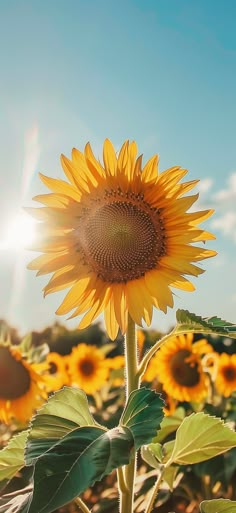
{"x":14,"y":376}
{"x":86,"y":367}
{"x":229,"y":373}
{"x":53,"y":368}
{"x":122,"y":240}
{"x":184,"y":373}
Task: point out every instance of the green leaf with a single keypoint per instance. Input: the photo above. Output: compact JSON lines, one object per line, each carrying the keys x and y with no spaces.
{"x":65,"y":411}
{"x":187,"y":321}
{"x":170,"y":424}
{"x":199,"y":438}
{"x":75,"y":462}
{"x":218,"y":506}
{"x":170,"y":476}
{"x":12,"y":458}
{"x":143,"y":415}
{"x":152,"y":454}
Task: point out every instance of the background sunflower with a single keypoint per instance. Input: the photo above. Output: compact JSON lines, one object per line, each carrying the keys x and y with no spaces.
{"x":177,"y":366}
{"x":226,"y":374}
{"x":22,"y":385}
{"x":87,"y":368}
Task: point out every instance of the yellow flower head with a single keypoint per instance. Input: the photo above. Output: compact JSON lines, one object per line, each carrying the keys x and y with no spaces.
{"x":87,"y":368}
{"x":177,"y":365}
{"x":226,"y":374}
{"x":21,"y":385}
{"x":57,"y":375}
{"x":118,"y":235}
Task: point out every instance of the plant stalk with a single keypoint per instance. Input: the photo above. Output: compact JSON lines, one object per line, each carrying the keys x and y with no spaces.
{"x":154,"y":491}
{"x":132,"y":383}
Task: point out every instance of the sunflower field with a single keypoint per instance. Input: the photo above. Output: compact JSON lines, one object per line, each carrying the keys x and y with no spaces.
{"x":117,"y":417}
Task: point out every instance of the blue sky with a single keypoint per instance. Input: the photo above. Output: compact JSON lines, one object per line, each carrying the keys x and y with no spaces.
{"x":162,"y":72}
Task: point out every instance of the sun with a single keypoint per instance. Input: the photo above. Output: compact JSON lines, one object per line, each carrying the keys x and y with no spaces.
{"x":19,"y":233}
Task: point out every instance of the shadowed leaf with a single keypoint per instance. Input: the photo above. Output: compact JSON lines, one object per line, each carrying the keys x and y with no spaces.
{"x":143,"y":415}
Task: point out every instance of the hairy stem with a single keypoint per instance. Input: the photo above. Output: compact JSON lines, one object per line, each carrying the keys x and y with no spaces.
{"x":146,"y":359}
{"x":132,"y":383}
{"x":154,"y":491}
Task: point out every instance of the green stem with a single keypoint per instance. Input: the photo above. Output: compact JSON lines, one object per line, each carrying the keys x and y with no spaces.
{"x":82,"y":505}
{"x":132,"y":383}
{"x":146,"y":359}
{"x":154,"y":492}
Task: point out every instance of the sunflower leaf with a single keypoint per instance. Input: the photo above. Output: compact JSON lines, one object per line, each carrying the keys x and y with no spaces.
{"x":169,"y":424}
{"x":152,"y":454}
{"x":143,"y":415}
{"x":187,"y":321}
{"x":218,"y":506}
{"x":65,"y":411}
{"x":75,"y":462}
{"x":199,"y":438}
{"x":12,"y":458}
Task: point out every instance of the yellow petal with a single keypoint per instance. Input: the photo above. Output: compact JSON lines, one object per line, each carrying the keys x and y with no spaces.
{"x":74,"y":295}
{"x":109,"y":158}
{"x":150,"y":170}
{"x":61,"y":187}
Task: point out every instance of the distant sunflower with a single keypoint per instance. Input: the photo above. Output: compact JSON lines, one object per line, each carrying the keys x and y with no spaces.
{"x":226,"y":374}
{"x":57,"y":375}
{"x":87,"y":368}
{"x":178,"y":367}
{"x":118,"y":235}
{"x":116,"y":367}
{"x":21,"y":385}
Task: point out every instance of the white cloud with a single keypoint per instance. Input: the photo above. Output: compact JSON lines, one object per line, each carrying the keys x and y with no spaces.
{"x":226,"y":224}
{"x":228,"y":194}
{"x":205,"y":185}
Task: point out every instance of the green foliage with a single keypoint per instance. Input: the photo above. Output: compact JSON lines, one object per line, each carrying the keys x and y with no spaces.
{"x":170,"y":424}
{"x":187,"y":321}
{"x":152,"y":454}
{"x":70,"y":451}
{"x":75,"y":462}
{"x":218,"y":506}
{"x":200,"y":437}
{"x":12,"y":458}
{"x":143,"y":415}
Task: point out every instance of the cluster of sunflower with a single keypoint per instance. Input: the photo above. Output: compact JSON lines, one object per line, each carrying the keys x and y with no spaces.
{"x":25,"y":384}
{"x":183,"y":370}
{"x":191,"y":371}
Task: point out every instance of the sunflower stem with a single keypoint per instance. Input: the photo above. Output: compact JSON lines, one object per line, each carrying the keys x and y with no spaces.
{"x":132,"y":383}
{"x":146,"y":359}
{"x":82,"y":505}
{"x":155,"y":490}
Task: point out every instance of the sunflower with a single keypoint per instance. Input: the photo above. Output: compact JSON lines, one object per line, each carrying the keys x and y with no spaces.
{"x":87,"y":368}
{"x":21,"y":385}
{"x":116,"y":367}
{"x":57,"y":375}
{"x":226,"y":374}
{"x":118,"y":235}
{"x":178,"y":367}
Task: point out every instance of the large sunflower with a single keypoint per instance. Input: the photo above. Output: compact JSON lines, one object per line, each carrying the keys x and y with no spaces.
{"x":21,"y":385}
{"x":226,"y":374}
{"x":118,"y":235}
{"x":178,"y":367}
{"x":87,"y":368}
